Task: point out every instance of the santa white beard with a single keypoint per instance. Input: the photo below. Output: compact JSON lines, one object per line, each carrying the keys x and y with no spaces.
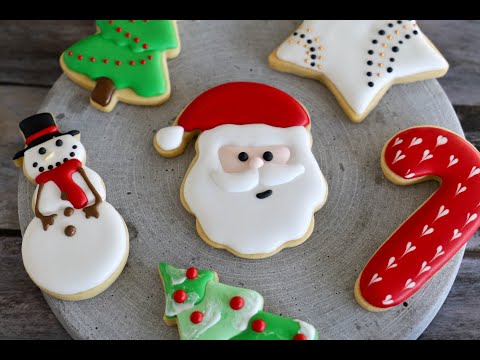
{"x":236,"y":218}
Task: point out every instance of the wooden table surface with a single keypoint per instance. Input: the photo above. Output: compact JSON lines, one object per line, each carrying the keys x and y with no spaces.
{"x":29,"y":66}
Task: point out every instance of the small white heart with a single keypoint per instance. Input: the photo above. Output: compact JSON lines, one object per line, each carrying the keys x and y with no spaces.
{"x":439,"y":252}
{"x":453,"y":161}
{"x":391,"y":264}
{"x":475,"y":171}
{"x":441,"y":140}
{"x":460,"y":189}
{"x":441,"y":212}
{"x":426,"y":155}
{"x":409,"y":284}
{"x":470,"y":218}
{"x":398,"y":157}
{"x":424,"y":268}
{"x":426,"y":231}
{"x":409,"y":248}
{"x":416,"y":141}
{"x":388,"y":300}
{"x":456,"y":234}
{"x":375,"y":278}
{"x":398,"y":141}
{"x":409,"y":176}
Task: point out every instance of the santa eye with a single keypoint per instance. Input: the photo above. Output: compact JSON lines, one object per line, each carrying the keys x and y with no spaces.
{"x":267,"y":156}
{"x":42,"y":151}
{"x":243,"y":156}
{"x":59,"y":142}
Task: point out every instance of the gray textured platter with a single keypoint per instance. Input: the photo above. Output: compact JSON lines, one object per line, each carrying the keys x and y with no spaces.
{"x":314,"y":281}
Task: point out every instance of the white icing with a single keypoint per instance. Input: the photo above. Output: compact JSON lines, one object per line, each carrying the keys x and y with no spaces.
{"x":173,"y":308}
{"x":307,"y":330}
{"x":53,"y":154}
{"x":211,"y":316}
{"x":344,"y":49}
{"x":69,"y":265}
{"x":169,"y":138}
{"x":253,"y":304}
{"x":239,"y":220}
{"x":51,"y":202}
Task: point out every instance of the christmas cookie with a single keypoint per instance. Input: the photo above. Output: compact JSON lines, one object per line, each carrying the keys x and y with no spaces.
{"x":77,"y":244}
{"x":435,"y":232}
{"x":254,"y":184}
{"x":358,"y":60}
{"x":126,"y":60}
{"x":204,"y":309}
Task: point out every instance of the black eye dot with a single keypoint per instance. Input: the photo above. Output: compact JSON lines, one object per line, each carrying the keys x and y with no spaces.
{"x":243,"y":156}
{"x":74,"y":146}
{"x":65,"y":160}
{"x":50,"y":167}
{"x":267,"y":156}
{"x":42,"y":151}
{"x":35,"y":164}
{"x":58,"y":164}
{"x":41,"y":169}
{"x":72,"y":154}
{"x":59,"y":142}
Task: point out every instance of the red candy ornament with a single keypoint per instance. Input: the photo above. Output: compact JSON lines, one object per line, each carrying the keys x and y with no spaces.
{"x":259,"y":325}
{"x":192,"y":273}
{"x":237,"y":302}
{"x":180,"y":296}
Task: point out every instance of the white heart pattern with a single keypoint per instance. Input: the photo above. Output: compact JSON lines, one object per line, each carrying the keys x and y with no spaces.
{"x":398,"y":157}
{"x":398,"y":141}
{"x":409,"y":284}
{"x":439,"y":252}
{"x":453,"y":161}
{"x":388,"y":300}
{"x":441,"y":140}
{"x":409,"y":248}
{"x":409,"y":175}
{"x":415,"y":142}
{"x":470,"y":218}
{"x":375,"y":278}
{"x":456,"y":234}
{"x":426,"y":155}
{"x":391,"y":263}
{"x":475,"y":171}
{"x":426,"y":231}
{"x":424,"y":268}
{"x":460,"y":189}
{"x":441,"y":212}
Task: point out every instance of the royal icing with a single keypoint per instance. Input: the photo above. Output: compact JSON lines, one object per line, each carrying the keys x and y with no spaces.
{"x":223,"y":312}
{"x":361,"y":57}
{"x":255,"y":183}
{"x":77,"y":241}
{"x":432,"y":235}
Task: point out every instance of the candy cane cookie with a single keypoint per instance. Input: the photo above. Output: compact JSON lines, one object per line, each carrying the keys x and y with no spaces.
{"x":435,"y":232}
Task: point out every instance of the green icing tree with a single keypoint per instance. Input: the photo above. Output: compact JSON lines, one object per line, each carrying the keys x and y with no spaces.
{"x":125,"y":54}
{"x":205,"y":309}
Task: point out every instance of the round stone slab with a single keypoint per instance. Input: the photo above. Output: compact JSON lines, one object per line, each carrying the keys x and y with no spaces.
{"x":314,"y":281}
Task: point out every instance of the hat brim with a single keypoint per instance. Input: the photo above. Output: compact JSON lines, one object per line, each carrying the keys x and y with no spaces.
{"x":43,"y":139}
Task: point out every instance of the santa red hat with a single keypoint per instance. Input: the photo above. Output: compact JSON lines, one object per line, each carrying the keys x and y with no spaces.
{"x":235,"y":103}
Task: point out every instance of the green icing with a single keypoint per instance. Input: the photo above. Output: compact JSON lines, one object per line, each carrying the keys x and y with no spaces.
{"x":159,"y":35}
{"x":174,"y":279}
{"x":220,"y":321}
{"x":145,"y":76}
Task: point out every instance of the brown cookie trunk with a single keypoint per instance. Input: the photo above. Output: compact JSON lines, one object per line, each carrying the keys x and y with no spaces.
{"x":103,"y":92}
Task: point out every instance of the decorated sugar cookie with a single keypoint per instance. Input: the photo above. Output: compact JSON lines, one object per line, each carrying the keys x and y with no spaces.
{"x":125,"y":61}
{"x":358,"y":60}
{"x":77,"y":244}
{"x":254,"y":184}
{"x":435,"y":232}
{"x":204,"y":309}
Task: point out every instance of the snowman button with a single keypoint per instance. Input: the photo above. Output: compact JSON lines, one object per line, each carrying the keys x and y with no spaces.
{"x":70,"y":230}
{"x":68,"y":211}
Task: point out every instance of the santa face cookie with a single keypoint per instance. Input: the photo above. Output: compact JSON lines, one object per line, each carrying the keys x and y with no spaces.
{"x":125,"y":61}
{"x":204,"y":309}
{"x":254,"y":184}
{"x":435,"y":232}
{"x":358,"y":60}
{"x":77,"y":244}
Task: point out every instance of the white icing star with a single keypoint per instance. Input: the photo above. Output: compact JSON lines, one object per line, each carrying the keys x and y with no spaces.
{"x":360,"y":58}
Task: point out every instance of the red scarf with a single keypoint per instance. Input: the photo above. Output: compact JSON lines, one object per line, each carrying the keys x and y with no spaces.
{"x":62,"y":177}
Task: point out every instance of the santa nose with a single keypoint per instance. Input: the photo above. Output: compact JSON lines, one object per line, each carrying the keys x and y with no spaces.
{"x":49,"y":155}
{"x":256,"y":163}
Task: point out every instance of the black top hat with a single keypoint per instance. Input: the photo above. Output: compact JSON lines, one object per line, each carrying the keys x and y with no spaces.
{"x":37,"y":129}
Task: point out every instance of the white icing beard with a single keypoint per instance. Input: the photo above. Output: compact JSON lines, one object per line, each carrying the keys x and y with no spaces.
{"x":240,"y":220}
{"x":341,"y":52}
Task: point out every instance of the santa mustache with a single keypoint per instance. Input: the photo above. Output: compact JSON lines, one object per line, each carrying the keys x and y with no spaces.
{"x":267,"y":175}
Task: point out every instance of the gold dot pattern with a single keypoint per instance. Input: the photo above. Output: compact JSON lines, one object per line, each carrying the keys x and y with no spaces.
{"x":313,"y":46}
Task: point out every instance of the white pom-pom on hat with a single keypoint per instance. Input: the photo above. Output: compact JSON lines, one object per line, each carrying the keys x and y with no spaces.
{"x":170,"y":138}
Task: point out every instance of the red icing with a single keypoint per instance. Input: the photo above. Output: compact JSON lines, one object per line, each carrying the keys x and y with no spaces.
{"x":62,"y":177}
{"x":92,"y":59}
{"x":128,"y":35}
{"x":237,"y":302}
{"x":300,"y":337}
{"x":119,"y":29}
{"x":48,"y":130}
{"x":118,"y":62}
{"x":439,"y":228}
{"x":80,"y":57}
{"x":150,"y":57}
{"x":180,"y":296}
{"x":132,"y":62}
{"x":105,"y":61}
{"x":243,"y":103}
{"x":145,"y":46}
{"x":192,"y":273}
{"x":70,"y":53}
{"x":143,"y":62}
{"x":196,"y":317}
{"x":259,"y":325}
{"x":136,"y":40}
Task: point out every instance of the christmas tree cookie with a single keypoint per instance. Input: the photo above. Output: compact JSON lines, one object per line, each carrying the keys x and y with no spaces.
{"x":125,"y":61}
{"x":204,"y":309}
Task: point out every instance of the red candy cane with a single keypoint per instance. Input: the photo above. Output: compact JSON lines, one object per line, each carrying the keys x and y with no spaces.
{"x":434,"y":233}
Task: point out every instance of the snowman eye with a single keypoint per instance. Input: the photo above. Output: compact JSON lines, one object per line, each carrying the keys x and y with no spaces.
{"x":42,"y":151}
{"x":267,"y":156}
{"x":35,"y":164}
{"x":59,"y":142}
{"x":243,"y":156}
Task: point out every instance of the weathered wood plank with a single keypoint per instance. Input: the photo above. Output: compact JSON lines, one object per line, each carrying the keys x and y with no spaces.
{"x":16,"y":103}
{"x":24,"y":314}
{"x":30,"y":48}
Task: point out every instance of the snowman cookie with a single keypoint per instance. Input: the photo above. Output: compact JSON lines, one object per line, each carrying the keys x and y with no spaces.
{"x":254,"y":184}
{"x":358,"y":60}
{"x":77,"y":244}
